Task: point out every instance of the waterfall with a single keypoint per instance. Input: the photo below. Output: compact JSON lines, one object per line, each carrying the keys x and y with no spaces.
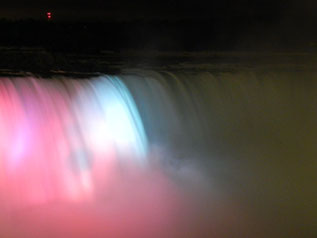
{"x":247,"y":137}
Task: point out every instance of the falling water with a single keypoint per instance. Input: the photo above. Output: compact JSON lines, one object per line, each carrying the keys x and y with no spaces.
{"x":159,"y":154}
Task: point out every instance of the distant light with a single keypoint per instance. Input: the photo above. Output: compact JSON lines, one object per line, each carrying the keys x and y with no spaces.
{"x":49,"y":15}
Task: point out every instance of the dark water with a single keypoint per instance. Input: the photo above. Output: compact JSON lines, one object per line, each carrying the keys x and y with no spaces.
{"x":160,"y":154}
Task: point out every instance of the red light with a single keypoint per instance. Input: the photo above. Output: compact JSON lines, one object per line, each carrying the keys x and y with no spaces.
{"x":49,"y":15}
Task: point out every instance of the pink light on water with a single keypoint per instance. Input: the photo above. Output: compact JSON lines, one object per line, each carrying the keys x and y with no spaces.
{"x":56,"y":143}
{"x":75,"y":162}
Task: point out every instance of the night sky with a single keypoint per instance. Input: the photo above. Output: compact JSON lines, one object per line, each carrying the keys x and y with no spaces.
{"x":126,"y":9}
{"x":163,"y":24}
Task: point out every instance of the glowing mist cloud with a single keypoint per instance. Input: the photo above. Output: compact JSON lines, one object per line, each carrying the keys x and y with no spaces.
{"x":60,"y":139}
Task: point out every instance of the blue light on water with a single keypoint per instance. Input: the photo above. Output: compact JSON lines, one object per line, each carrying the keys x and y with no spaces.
{"x":109,"y":115}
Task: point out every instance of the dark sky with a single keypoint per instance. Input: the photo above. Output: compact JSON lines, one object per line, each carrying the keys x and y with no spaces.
{"x":130,"y":9}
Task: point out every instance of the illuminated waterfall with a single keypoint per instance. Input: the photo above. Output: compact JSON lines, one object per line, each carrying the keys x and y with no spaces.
{"x":58,"y":138}
{"x":159,"y":154}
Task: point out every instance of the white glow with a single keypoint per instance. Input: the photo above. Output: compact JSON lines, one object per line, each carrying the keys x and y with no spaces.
{"x":98,"y":134}
{"x":120,"y":124}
